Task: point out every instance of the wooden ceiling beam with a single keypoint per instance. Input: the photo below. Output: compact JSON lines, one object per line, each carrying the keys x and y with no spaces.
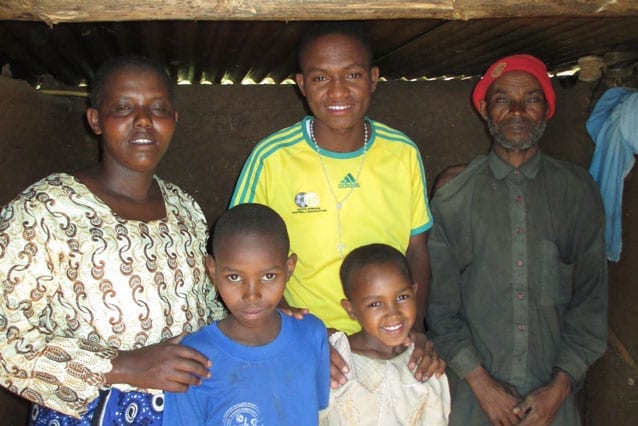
{"x":56,"y":11}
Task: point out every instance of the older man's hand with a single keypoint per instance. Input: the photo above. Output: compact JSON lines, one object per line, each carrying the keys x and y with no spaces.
{"x":497,"y":399}
{"x":540,"y":406}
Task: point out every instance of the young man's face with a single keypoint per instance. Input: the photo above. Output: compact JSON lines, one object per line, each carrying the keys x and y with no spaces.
{"x":337,"y":81}
{"x":515,"y":109}
{"x":383,"y":301}
{"x":136,"y":119}
{"x":250,"y":272}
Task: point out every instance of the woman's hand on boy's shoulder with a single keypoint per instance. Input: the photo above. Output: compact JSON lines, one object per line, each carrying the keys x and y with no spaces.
{"x":168,"y":365}
{"x":424,"y":361}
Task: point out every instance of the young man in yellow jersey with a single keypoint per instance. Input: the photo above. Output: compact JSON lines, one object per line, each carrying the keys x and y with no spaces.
{"x":341,"y":180}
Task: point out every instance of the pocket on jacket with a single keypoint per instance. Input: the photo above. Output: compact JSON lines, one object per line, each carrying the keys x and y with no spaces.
{"x":556,"y":277}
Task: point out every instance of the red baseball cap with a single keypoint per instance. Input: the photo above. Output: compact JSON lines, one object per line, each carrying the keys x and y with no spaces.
{"x":528,"y":63}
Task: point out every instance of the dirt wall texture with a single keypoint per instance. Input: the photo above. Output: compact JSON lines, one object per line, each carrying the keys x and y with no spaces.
{"x":219,"y":125}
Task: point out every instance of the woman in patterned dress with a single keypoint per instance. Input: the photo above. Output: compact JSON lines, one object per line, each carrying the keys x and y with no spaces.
{"x":102,"y":272}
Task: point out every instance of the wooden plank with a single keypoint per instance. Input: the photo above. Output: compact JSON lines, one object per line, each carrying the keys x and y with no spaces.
{"x":473,"y":9}
{"x":622,"y":351}
{"x":55,"y":11}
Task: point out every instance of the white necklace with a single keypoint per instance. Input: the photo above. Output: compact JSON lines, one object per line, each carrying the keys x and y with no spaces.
{"x":339,"y":202}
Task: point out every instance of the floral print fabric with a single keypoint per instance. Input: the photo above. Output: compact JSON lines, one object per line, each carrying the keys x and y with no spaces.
{"x":78,"y":282}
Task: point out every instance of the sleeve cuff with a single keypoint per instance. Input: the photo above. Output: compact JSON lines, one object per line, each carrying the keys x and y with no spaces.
{"x":465,"y":361}
{"x":575,"y":369}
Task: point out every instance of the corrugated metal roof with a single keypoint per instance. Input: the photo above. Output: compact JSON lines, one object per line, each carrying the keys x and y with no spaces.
{"x":236,"y":51}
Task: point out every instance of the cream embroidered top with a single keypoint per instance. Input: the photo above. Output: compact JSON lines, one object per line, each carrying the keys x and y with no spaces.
{"x":77,"y":281}
{"x":384,"y":392}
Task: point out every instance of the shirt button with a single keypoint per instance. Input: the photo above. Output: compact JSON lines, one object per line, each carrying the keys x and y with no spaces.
{"x":521,"y":327}
{"x":520,"y":296}
{"x":519,"y":230}
{"x":519,"y":263}
{"x":516,"y":172}
{"x":518,"y":198}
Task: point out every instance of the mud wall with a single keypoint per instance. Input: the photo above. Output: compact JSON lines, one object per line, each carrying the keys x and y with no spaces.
{"x":219,"y":125}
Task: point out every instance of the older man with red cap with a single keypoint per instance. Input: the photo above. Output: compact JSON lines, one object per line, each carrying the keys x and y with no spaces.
{"x":518,"y":299}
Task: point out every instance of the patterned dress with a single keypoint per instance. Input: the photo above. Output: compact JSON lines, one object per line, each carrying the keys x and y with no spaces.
{"x":78,"y":282}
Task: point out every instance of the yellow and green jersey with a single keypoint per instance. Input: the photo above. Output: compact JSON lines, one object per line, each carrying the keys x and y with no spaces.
{"x":383,"y":200}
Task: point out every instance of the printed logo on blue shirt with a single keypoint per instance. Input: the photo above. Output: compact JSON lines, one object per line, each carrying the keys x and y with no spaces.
{"x":243,"y":414}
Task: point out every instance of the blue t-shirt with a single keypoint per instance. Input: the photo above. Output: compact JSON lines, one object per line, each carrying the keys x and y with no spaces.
{"x":285,"y":382}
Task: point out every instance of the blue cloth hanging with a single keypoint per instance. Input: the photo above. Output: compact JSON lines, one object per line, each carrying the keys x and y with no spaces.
{"x":613,"y":125}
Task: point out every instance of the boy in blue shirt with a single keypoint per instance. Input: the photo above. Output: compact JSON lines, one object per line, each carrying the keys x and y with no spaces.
{"x":267,"y":368}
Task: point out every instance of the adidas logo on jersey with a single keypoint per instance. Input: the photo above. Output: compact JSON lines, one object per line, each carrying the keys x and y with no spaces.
{"x":349,"y":181}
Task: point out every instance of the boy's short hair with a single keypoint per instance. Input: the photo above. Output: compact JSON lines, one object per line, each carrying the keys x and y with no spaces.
{"x":354,"y":29}
{"x":249,"y":219}
{"x":119,"y":63}
{"x":371,"y":254}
